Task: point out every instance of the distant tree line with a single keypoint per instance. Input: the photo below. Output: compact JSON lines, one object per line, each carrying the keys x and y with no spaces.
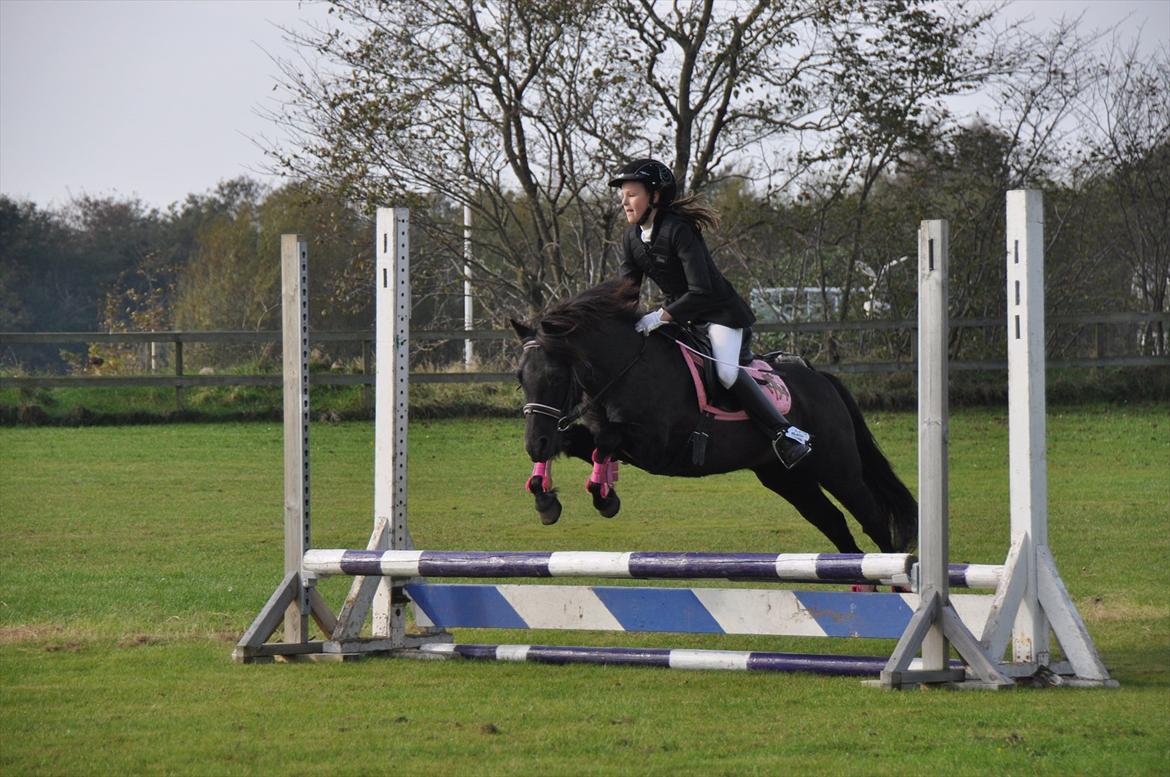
{"x":823,"y":130}
{"x":211,"y":262}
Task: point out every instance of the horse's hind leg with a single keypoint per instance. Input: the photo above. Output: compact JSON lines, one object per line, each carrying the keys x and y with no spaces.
{"x":806,"y":496}
{"x":859,"y":500}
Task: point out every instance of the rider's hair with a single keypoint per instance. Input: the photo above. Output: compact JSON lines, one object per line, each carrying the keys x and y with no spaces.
{"x":692,"y":208}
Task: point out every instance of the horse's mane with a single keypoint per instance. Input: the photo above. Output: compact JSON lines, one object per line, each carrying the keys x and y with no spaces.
{"x":615,"y":300}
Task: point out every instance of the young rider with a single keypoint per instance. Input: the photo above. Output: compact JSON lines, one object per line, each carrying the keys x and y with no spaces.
{"x":665,"y":242}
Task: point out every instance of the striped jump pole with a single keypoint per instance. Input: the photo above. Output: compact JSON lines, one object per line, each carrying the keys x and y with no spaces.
{"x":669,"y":658}
{"x":974,"y":575}
{"x":827,"y":568}
{"x":792,"y":567}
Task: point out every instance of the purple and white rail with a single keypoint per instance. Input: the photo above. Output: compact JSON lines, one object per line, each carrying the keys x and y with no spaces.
{"x":849,"y":666}
{"x":792,"y":567}
{"x":831,"y":568}
{"x":974,"y":575}
{"x":857,"y":666}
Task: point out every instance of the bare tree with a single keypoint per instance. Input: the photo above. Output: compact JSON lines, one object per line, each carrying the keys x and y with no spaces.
{"x":1125,"y":121}
{"x":476,"y":102}
{"x":827,"y":93}
{"x":729,"y":82}
{"x":518,"y":109}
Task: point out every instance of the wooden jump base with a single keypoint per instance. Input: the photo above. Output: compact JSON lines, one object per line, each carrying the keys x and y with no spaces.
{"x":1029,"y":600}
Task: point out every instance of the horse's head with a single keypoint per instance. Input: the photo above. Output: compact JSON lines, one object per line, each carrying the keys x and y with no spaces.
{"x":569,"y":336}
{"x":550,"y":393}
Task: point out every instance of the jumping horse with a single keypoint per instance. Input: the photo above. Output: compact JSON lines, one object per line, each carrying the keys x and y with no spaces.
{"x":597,"y":390}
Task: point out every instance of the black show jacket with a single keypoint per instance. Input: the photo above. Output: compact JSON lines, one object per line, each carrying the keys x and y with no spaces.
{"x":678,"y":261}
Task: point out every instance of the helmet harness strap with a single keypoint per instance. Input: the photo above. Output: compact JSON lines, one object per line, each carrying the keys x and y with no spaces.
{"x":649,"y":208}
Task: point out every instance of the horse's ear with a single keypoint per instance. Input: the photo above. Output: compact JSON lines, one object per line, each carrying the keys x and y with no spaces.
{"x":555,"y":328}
{"x":523,"y":331}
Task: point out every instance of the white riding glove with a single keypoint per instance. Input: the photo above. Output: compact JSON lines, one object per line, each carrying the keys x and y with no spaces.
{"x":649,"y":322}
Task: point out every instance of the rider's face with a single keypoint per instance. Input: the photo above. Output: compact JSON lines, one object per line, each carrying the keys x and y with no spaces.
{"x":635,"y":200}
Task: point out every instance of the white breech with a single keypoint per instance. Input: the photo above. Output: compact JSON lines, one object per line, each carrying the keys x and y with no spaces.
{"x":725,"y":347}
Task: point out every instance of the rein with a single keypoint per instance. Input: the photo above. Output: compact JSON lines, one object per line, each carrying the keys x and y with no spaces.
{"x":565,"y":420}
{"x":706,"y":356}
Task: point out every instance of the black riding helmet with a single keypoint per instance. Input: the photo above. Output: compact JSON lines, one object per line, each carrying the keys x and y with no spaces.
{"x":656,"y":177}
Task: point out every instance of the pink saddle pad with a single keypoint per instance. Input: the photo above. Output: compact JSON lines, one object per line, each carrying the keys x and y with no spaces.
{"x":773,"y":385}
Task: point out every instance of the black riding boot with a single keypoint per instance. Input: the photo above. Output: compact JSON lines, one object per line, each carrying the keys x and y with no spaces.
{"x":789,"y":443}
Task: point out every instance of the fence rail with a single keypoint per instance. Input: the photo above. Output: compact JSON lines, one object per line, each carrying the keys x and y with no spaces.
{"x":180,"y":380}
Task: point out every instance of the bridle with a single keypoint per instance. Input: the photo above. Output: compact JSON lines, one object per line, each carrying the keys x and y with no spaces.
{"x":566,"y":419}
{"x":538,"y":408}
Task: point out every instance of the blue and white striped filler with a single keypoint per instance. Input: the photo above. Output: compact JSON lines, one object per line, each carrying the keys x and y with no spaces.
{"x":775,"y":612}
{"x":850,"y":666}
{"x":795,"y":567}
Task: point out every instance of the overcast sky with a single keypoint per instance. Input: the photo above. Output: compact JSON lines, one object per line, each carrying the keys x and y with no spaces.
{"x":159,"y":98}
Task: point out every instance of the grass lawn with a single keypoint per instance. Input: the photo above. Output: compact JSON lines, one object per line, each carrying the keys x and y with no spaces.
{"x":131,"y":559}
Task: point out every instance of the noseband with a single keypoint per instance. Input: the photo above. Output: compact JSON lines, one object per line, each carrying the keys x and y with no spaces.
{"x":539,"y":409}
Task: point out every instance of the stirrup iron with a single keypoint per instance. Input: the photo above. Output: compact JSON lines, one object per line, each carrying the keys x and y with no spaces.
{"x":791,"y":446}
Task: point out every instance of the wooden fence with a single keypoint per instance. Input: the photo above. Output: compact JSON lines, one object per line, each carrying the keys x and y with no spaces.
{"x":179,"y":379}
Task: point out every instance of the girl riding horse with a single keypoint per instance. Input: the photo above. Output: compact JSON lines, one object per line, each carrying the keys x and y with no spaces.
{"x":665,"y":242}
{"x":635,"y":399}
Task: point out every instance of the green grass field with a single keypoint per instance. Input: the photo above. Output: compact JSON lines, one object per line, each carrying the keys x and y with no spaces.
{"x":131,"y":559}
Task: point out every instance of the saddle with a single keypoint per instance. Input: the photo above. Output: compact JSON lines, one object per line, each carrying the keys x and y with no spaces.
{"x":712,"y":396}
{"x":698,"y":353}
{"x":717,"y":403}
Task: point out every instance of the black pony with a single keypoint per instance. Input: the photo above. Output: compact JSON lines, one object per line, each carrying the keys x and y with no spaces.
{"x":637,"y":402}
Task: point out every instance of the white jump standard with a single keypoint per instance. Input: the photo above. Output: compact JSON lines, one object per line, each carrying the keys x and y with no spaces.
{"x":389,"y":575}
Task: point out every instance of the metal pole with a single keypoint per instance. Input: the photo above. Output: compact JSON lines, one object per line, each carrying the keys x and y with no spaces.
{"x":392,"y":355}
{"x":468,"y":316}
{"x":178,"y":373}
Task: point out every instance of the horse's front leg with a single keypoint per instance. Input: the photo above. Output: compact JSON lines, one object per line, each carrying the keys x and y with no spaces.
{"x":576,"y":441}
{"x":539,"y":484}
{"x":605,"y":474}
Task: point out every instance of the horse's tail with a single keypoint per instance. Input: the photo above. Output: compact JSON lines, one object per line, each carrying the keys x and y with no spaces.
{"x":894,"y":499}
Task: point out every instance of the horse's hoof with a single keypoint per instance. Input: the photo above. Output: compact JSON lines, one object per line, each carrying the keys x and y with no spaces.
{"x":549,"y":510}
{"x":607,"y":506}
{"x":548,"y":507}
{"x":862,"y":589}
